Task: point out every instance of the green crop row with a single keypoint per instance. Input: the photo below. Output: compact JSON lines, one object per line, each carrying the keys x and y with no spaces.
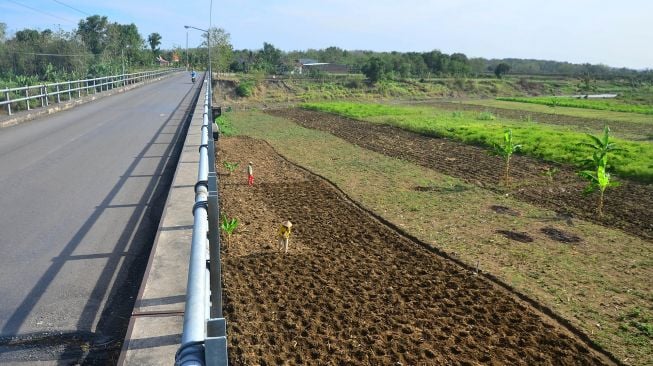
{"x":547,"y":142}
{"x":605,"y":105}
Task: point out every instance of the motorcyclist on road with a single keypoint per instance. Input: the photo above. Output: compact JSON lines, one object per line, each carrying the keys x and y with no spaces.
{"x":192,"y":75}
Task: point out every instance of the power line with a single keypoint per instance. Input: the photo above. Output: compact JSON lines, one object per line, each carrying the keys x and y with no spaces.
{"x":68,"y":6}
{"x":42,"y":12}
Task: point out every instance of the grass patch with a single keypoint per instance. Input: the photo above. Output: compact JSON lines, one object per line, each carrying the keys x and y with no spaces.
{"x":596,"y":114}
{"x":224,"y":125}
{"x":584,"y":283}
{"x":547,"y":142}
{"x":245,"y":88}
{"x":605,"y":105}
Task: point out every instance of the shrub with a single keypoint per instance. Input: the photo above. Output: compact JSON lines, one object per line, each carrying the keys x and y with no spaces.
{"x":486,"y":116}
{"x":245,"y":88}
{"x":228,"y":226}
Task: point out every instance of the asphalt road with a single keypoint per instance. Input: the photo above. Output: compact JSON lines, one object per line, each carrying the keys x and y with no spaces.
{"x":81,"y":195}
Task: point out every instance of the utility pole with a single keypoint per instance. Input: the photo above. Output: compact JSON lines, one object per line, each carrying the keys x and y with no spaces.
{"x":187,"y":64}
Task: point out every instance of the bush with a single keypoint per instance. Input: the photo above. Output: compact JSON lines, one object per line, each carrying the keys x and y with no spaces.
{"x":355,"y":84}
{"x":245,"y":88}
{"x":486,"y":116}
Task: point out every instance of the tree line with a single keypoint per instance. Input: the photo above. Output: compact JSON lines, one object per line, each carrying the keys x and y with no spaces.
{"x":97,"y":47}
{"x":100,"y":47}
{"x":422,"y":65}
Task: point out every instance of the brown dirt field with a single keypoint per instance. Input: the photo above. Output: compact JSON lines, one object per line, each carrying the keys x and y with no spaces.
{"x":629,"y":207}
{"x":353,"y":290}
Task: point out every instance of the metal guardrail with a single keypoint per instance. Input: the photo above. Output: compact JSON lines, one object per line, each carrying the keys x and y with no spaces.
{"x":56,"y":92}
{"x":204,"y":338}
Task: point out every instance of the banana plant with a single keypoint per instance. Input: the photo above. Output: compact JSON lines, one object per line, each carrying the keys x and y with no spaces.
{"x":230,"y":166}
{"x":505,"y":151}
{"x":598,"y":179}
{"x":600,"y":146}
{"x":228,"y":226}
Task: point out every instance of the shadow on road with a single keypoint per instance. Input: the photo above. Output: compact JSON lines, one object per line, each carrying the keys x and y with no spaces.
{"x":133,"y":247}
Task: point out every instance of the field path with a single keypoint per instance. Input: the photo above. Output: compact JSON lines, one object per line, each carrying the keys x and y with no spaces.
{"x":352,"y":290}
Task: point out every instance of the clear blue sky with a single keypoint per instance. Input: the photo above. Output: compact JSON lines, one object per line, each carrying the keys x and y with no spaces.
{"x":615,"y":33}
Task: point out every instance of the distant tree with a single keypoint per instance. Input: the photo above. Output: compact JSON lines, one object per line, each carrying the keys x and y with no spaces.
{"x":125,"y":44}
{"x":332,"y":54}
{"x":586,"y":83}
{"x":417,"y":66}
{"x":154,"y":39}
{"x":435,"y":60}
{"x":94,"y":33}
{"x":269,"y":58}
{"x":221,"y":49}
{"x":374,"y":69}
{"x":3,"y":31}
{"x":501,"y":69}
{"x":458,"y":64}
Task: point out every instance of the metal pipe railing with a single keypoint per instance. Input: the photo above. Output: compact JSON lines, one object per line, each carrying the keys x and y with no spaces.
{"x":55,"y":90}
{"x":204,"y":340}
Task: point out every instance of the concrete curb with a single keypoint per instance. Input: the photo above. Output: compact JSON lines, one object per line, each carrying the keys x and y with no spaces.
{"x":156,"y":324}
{"x":24,"y":116}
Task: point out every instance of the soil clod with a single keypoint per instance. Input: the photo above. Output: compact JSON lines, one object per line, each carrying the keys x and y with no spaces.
{"x":520,"y":237}
{"x":504,"y":210}
{"x":561,"y":236}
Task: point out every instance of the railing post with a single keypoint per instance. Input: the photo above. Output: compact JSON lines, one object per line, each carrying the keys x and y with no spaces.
{"x":9,"y":103}
{"x":42,"y":93}
{"x":45,"y":92}
{"x":58,"y":95}
{"x":27,"y":96}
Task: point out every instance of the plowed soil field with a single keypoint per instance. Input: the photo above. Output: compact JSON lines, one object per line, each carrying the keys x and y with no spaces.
{"x":629,"y":207}
{"x":353,"y":290}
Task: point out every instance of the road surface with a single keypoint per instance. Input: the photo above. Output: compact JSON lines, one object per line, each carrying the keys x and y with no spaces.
{"x":81,"y":195}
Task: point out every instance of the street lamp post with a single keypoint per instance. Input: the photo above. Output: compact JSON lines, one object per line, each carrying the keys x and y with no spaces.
{"x":208,"y":45}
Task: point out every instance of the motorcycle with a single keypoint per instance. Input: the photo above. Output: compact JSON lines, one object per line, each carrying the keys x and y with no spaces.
{"x":192,"y":78}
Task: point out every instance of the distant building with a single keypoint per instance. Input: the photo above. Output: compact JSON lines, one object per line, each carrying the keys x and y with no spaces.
{"x":306,"y":64}
{"x":162,"y":61}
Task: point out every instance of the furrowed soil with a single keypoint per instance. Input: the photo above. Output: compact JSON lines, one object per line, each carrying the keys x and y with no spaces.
{"x":628,"y":207}
{"x":352,"y":290}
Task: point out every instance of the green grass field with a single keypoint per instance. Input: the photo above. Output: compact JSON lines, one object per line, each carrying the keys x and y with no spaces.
{"x":547,"y":142}
{"x":595,"y":114}
{"x":604,"y":104}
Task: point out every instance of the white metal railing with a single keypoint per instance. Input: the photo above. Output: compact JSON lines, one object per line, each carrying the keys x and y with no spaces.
{"x":204,"y":338}
{"x":44,"y":94}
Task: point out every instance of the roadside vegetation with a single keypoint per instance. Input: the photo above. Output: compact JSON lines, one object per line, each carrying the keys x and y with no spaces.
{"x":97,"y":47}
{"x":548,"y":142}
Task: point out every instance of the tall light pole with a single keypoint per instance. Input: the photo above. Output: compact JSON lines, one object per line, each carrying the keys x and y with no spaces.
{"x":187,"y":62}
{"x":208,"y":45}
